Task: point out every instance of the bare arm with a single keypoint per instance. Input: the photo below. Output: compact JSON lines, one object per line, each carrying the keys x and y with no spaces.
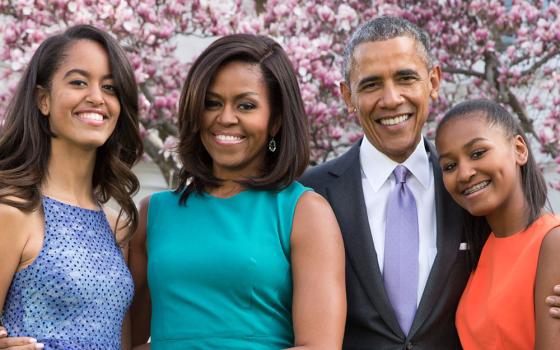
{"x":319,"y":296}
{"x":120,"y":234}
{"x":548,"y":274}
{"x":14,"y":235}
{"x":141,"y":309}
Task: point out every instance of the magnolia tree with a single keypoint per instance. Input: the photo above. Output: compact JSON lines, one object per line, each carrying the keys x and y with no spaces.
{"x":485,"y":48}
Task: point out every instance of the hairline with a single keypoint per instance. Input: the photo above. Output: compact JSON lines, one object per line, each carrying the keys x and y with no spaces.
{"x":398,"y":27}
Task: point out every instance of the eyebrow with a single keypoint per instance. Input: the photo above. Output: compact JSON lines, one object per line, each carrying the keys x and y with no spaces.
{"x":369,"y":79}
{"x":406,"y":72}
{"x":84,"y":73}
{"x":399,"y":73}
{"x":242,"y":95}
{"x":466,"y":145}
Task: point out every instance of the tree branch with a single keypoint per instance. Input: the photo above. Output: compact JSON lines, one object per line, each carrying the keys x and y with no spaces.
{"x":468,"y":72}
{"x":540,"y":62}
{"x":526,"y":122}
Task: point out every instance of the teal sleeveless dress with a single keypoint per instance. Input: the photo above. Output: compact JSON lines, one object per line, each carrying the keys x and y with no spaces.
{"x":219,"y":270}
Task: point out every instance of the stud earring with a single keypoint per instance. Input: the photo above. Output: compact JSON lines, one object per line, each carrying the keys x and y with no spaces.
{"x":272,"y":145}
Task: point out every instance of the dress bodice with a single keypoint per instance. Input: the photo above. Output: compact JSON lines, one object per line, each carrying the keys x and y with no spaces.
{"x":219,"y":270}
{"x":75,"y":293}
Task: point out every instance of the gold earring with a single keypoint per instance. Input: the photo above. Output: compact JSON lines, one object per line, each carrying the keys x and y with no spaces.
{"x":434,"y":95}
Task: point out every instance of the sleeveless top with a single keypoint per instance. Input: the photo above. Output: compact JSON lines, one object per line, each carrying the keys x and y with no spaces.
{"x":496,"y":310}
{"x":75,"y":293}
{"x":219,"y":270}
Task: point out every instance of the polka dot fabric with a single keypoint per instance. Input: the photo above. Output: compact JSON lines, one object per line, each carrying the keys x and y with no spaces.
{"x":76,"y":292}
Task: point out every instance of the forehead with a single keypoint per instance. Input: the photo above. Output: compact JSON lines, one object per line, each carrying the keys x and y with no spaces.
{"x":460,"y":130}
{"x":237,"y":75}
{"x":86,"y":55}
{"x":386,"y":57}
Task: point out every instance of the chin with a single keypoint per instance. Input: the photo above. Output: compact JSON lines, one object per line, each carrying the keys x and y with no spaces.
{"x":479,"y":211}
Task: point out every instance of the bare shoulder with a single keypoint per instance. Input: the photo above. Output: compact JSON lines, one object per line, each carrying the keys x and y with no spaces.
{"x":144,"y":203}
{"x":139,"y":237}
{"x":12,"y":217}
{"x":551,"y":241}
{"x":312,"y":203}
{"x":16,"y":226}
{"x":313,"y":217}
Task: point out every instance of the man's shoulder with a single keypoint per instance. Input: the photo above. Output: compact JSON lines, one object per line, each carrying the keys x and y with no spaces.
{"x":321,"y":174}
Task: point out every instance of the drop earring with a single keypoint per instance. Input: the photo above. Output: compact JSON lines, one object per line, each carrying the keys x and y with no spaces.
{"x":272,"y":145}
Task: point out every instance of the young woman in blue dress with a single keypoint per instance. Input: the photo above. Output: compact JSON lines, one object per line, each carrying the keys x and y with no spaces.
{"x":240,"y":255}
{"x":68,"y":141}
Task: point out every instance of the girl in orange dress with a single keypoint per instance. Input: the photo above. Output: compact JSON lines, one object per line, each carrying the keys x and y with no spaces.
{"x":489,"y":170}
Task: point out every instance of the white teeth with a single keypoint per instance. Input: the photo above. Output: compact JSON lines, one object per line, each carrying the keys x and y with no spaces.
{"x":91,"y":116}
{"x":229,"y":138}
{"x":395,"y":120}
{"x":476,"y":187}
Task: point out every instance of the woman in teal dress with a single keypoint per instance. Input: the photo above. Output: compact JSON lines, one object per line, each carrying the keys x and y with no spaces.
{"x":240,"y":255}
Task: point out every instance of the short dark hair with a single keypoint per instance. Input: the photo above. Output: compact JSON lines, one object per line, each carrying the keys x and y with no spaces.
{"x":25,"y":138}
{"x":534,"y":184}
{"x":287,"y":110}
{"x":381,"y":29}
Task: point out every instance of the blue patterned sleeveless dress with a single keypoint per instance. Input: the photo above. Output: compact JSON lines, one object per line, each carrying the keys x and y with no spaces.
{"x":76,"y":292}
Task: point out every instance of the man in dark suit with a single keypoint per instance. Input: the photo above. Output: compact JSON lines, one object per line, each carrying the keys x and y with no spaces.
{"x":390,"y":78}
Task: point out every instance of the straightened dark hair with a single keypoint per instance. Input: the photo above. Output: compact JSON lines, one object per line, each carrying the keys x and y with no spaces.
{"x":25,"y":137}
{"x":289,"y":161}
{"x":534,"y":184}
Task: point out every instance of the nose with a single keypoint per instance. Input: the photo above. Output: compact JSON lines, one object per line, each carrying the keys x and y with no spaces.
{"x":465,"y":172}
{"x":95,"y":96}
{"x":227,"y":115}
{"x":392,"y":97}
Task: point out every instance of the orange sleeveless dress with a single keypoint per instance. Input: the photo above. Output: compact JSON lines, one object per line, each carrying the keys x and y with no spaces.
{"x":496,"y":311}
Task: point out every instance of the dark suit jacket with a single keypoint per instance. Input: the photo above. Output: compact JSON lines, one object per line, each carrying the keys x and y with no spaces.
{"x":371,"y":322}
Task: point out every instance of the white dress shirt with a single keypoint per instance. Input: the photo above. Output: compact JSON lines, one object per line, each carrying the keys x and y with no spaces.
{"x":377,"y":183}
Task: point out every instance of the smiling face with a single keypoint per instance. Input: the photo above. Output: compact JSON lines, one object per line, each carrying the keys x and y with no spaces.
{"x":390,"y":89}
{"x":235,"y":122}
{"x":481,"y":166}
{"x":81,"y":102}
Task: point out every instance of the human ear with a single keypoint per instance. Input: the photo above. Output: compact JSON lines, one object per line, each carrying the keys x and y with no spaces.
{"x":346,"y":93}
{"x":42,"y":95}
{"x":435,"y":81}
{"x":521,"y":150}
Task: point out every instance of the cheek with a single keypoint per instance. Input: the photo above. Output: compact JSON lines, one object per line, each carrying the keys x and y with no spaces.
{"x":448,"y":182}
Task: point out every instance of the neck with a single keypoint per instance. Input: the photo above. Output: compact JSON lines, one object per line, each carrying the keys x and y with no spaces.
{"x":511,"y":217}
{"x":227,"y":189}
{"x":69,"y":175}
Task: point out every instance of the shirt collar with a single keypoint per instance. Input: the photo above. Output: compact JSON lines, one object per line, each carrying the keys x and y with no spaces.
{"x":377,"y":167}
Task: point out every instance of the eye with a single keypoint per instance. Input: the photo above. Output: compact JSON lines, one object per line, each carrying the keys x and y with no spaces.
{"x":370,"y":85}
{"x":448,"y":167}
{"x":247,"y":106}
{"x":112,"y":89}
{"x":477,"y":154}
{"x":77,"y":82}
{"x":407,"y":78}
{"x":211,"y":104}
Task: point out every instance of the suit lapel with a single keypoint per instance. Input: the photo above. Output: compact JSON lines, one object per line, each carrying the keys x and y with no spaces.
{"x":448,"y":240}
{"x":347,"y":200}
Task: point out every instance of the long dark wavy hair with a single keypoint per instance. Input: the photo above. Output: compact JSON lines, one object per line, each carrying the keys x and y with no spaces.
{"x":25,"y":136}
{"x":532,"y":179}
{"x":289,"y":161}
